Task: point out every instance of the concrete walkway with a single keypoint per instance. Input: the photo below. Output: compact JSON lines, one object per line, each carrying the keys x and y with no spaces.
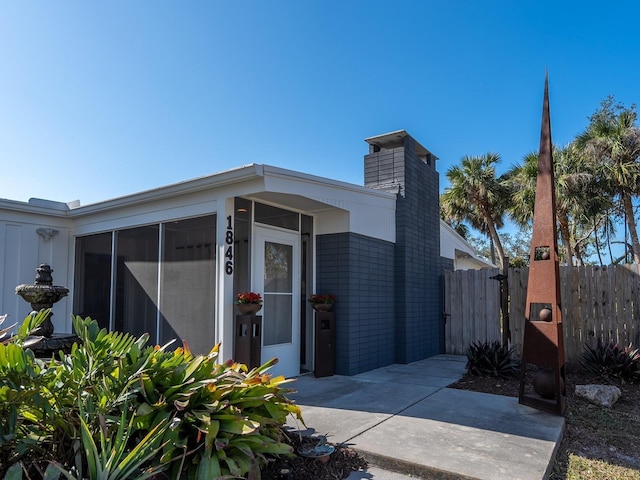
{"x":404,"y":421}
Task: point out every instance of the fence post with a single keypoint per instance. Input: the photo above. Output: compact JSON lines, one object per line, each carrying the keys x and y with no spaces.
{"x":504,"y":303}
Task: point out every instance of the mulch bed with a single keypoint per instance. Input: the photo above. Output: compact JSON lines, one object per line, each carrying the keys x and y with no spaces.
{"x":574,"y":375}
{"x":340,"y":464}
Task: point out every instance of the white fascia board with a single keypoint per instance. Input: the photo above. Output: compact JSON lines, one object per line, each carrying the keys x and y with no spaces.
{"x":137,"y":215}
{"x":209,"y":182}
{"x":201,"y":196}
{"x":43,"y":217}
{"x":350,"y":207}
{"x":51,"y":209}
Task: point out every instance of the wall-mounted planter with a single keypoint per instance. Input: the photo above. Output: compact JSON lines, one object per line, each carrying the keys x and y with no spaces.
{"x":322,"y":307}
{"x":248,"y":308}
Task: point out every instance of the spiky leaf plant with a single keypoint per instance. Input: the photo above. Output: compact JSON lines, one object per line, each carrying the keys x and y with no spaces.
{"x":610,"y":360}
{"x":490,"y":359}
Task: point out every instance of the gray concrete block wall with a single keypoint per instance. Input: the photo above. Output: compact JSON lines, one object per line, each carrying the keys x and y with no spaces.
{"x":420,"y":222}
{"x":359,"y":270}
{"x":384,"y":168}
{"x":419,"y":322}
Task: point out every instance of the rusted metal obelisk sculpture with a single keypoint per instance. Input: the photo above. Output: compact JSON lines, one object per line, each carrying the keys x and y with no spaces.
{"x":543,"y":345}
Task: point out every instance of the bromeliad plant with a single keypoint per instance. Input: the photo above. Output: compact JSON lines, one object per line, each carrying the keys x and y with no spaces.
{"x":490,"y":359}
{"x":115,"y":405}
{"x":326,"y":298}
{"x":248,"y":297}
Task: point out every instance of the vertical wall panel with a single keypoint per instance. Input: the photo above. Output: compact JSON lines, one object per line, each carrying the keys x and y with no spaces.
{"x":11,"y":274}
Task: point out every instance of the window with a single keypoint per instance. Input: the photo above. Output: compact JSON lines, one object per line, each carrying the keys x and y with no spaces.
{"x":93,"y":278}
{"x":188,"y":283}
{"x":161,"y":286}
{"x":136,"y":282}
{"x":278,"y":217}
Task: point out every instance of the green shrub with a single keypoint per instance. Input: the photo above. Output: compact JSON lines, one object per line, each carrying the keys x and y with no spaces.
{"x":115,"y":406}
{"x":25,"y":410}
{"x":611,"y":361}
{"x":490,"y":359}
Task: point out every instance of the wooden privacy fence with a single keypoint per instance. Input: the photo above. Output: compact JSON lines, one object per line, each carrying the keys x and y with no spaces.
{"x":597,"y":302}
{"x":471,"y":308}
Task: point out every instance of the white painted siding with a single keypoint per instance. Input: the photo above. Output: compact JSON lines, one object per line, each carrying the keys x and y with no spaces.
{"x":22,"y":250}
{"x":453,"y":246}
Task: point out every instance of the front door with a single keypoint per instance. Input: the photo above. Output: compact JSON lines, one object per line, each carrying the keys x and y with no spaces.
{"x":277,"y":275}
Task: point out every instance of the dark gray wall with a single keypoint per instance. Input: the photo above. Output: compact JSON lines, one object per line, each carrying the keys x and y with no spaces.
{"x":419,"y":325}
{"x":360,"y":271}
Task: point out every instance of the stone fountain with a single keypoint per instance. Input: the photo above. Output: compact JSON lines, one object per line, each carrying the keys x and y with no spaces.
{"x":43,"y":294}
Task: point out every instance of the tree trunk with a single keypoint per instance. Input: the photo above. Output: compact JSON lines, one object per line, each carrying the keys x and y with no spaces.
{"x":608,"y":233}
{"x":631,"y":222}
{"x":496,"y":241}
{"x":595,"y":237}
{"x":492,"y":249}
{"x":578,"y":254}
{"x":566,"y":237}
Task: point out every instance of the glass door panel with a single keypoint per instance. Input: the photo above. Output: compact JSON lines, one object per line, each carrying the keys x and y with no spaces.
{"x":278,"y":283}
{"x":277,"y":276}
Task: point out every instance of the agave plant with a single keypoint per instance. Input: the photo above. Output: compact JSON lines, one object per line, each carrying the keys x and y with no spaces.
{"x":490,"y":359}
{"x":612,"y":361}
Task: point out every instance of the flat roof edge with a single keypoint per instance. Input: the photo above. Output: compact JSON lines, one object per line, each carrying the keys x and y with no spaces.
{"x":389,"y":140}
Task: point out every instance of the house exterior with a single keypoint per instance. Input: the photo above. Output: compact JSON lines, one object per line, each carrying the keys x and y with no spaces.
{"x":170,"y":261}
{"x":456,"y":248}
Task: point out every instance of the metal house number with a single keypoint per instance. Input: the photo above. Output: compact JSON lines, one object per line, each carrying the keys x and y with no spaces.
{"x":228,"y":266}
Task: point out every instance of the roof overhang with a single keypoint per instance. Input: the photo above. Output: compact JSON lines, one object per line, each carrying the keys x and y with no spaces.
{"x":395,"y":140}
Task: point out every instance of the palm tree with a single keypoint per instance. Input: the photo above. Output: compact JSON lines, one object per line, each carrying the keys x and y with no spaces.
{"x":477,"y":196}
{"x":613,"y":141}
{"x":577,"y":203}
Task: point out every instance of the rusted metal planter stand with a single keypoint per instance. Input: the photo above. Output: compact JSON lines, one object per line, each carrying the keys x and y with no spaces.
{"x":543,"y":344}
{"x":248,"y":340}
{"x":325,"y":360}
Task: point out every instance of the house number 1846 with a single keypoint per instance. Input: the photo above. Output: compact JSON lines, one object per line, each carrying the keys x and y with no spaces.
{"x":228,"y":266}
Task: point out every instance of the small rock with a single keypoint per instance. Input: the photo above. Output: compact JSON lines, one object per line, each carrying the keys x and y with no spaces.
{"x":602,"y":395}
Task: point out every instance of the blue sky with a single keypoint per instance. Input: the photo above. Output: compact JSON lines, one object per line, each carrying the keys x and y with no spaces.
{"x":102,"y":99}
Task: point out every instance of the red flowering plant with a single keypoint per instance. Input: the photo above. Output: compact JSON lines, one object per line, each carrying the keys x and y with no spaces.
{"x":248,"y":297}
{"x":326,"y":298}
